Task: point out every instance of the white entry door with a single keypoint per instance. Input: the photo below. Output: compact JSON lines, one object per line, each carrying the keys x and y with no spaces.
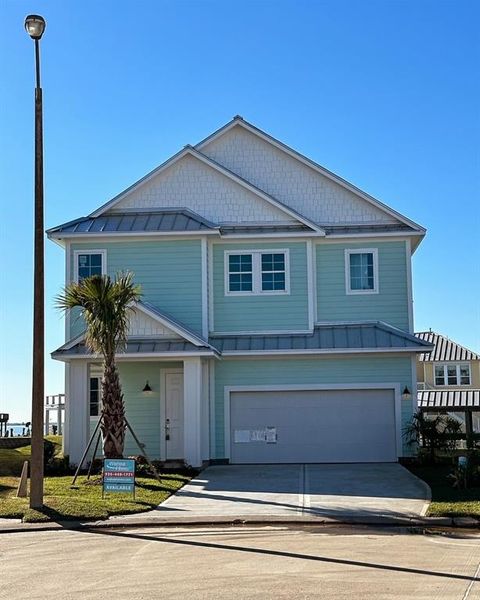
{"x":174,"y":415}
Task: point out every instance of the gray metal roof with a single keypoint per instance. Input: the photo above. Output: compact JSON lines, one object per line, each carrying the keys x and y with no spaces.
{"x":139,"y":346}
{"x":351,"y":336}
{"x":164,"y":221}
{"x":444,"y":349}
{"x":451,"y":399}
{"x":353,"y":229}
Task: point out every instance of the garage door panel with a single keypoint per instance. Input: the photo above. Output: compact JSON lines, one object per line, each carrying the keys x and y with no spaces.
{"x":315,"y":426}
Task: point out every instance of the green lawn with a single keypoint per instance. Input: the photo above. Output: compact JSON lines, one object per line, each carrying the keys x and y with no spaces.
{"x":85,"y":502}
{"x":447,"y":500}
{"x":64,"y":503}
{"x":11,"y":460}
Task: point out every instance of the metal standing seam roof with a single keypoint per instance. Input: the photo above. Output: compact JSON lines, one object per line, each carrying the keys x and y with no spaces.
{"x":139,"y":346}
{"x":349,"y":337}
{"x":444,"y":349}
{"x":353,"y":229}
{"x":162,"y":221}
{"x":451,"y":399}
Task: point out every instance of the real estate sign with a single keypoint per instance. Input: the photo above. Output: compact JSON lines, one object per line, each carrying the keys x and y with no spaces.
{"x":119,"y":475}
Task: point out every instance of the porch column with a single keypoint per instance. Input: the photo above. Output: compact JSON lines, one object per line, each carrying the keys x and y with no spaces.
{"x":77,"y":409}
{"x":59,"y":417}
{"x":469,"y":428}
{"x":192,"y":386}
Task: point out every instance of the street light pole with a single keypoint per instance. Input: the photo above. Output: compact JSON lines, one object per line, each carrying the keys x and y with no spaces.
{"x":35,"y":26}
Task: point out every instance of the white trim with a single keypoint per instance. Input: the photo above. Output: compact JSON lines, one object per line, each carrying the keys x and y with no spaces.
{"x":211,"y":312}
{"x":211,"y":400}
{"x":68,"y":280}
{"x":310,"y":284}
{"x":452,"y":363}
{"x":263,"y":332}
{"x":77,"y":253}
{"x":204,"y":252}
{"x":413,"y":361}
{"x":238,"y":121}
{"x":408,"y":260}
{"x":348,"y":252}
{"x":228,"y":390}
{"x":138,"y":356}
{"x":315,"y":282}
{"x":320,"y":351}
{"x":101,"y":235}
{"x":279,"y":235}
{"x":257,"y":272}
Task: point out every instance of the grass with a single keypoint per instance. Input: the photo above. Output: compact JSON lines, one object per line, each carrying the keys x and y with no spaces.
{"x":12,"y":459}
{"x":447,"y":500}
{"x":62,"y":503}
{"x":85,"y":503}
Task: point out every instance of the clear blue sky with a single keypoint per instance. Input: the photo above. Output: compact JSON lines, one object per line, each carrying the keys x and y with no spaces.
{"x":383,"y":92}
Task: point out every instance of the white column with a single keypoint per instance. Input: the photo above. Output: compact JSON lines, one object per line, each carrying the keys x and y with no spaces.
{"x":192,"y":407}
{"x":77,"y":419}
{"x":59,"y":418}
{"x":46,"y":421}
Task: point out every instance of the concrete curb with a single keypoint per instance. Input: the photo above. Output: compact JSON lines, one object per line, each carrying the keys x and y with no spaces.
{"x":135,"y":523}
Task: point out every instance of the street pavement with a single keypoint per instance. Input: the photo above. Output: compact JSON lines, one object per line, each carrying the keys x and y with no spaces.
{"x":239,"y":562}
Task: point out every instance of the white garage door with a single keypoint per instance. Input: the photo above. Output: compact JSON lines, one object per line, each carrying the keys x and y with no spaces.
{"x":313,"y":426}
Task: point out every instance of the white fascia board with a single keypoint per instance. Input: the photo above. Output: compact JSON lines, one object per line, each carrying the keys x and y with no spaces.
{"x":137,"y":356}
{"x":131,"y":234}
{"x":239,"y":121}
{"x":227,"y":353}
{"x":397,"y":234}
{"x":255,"y":236}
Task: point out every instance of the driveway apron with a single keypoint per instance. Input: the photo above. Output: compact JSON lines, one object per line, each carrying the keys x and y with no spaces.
{"x":336,"y":491}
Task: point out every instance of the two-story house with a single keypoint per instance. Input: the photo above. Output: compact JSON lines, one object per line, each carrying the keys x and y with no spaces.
{"x":448,"y":380}
{"x":276,"y":323}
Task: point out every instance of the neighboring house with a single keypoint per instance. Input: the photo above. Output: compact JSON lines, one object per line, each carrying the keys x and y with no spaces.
{"x":449,"y":380}
{"x":276,"y":323}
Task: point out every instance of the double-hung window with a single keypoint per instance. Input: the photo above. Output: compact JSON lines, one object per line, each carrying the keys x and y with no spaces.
{"x":453,"y":374}
{"x":88,"y":263}
{"x":256,"y":272}
{"x":361,"y":271}
{"x":95,"y":396}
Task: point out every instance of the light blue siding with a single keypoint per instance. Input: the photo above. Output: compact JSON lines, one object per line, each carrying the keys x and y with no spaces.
{"x":390,"y":304}
{"x":298,"y":371}
{"x":170,"y":273}
{"x":261,"y":312}
{"x":142,"y":412}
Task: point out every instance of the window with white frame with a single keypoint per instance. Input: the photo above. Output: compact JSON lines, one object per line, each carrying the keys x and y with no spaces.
{"x":361,"y":271}
{"x":88,"y":263}
{"x":257,"y":272}
{"x":453,"y":374}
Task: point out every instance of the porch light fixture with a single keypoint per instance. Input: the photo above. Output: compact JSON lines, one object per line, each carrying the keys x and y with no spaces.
{"x":147,"y":389}
{"x":406,"y":394}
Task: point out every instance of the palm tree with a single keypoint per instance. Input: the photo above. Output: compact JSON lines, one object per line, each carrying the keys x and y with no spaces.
{"x":106,"y":306}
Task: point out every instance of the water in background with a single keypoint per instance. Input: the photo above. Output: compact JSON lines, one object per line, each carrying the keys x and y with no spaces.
{"x":17,"y":428}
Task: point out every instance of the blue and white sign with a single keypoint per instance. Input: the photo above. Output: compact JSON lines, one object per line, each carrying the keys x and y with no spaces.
{"x":119,"y":475}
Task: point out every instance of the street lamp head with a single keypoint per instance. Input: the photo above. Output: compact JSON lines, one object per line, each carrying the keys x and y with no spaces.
{"x":35,"y":26}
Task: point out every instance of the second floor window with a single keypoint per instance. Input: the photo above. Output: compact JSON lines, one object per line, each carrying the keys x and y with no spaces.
{"x":361,"y":271}
{"x":256,"y":272}
{"x":452,"y":374}
{"x":89,"y":263}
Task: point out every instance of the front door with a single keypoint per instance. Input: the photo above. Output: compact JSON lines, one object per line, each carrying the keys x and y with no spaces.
{"x":174,"y":415}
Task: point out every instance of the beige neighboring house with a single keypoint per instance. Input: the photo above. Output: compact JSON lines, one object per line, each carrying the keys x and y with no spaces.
{"x":448,"y":380}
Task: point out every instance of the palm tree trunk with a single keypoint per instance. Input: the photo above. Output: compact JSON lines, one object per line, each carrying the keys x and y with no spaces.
{"x":113,"y":424}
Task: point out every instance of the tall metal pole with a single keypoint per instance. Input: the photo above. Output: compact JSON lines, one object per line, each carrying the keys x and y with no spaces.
{"x":38,"y":384}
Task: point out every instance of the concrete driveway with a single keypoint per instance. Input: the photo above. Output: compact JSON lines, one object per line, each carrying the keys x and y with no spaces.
{"x":335,"y":491}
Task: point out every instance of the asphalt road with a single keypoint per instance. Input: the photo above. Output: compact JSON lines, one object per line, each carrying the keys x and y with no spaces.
{"x":241,"y":562}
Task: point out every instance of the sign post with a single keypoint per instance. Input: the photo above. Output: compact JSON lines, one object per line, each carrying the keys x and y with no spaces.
{"x":119,"y":475}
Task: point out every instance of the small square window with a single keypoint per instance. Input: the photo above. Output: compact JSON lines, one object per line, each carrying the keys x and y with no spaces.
{"x":89,"y":264}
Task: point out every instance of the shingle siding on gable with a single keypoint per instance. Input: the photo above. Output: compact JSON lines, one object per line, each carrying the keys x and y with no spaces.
{"x":291,"y":182}
{"x":389,"y":305}
{"x":191,"y":184}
